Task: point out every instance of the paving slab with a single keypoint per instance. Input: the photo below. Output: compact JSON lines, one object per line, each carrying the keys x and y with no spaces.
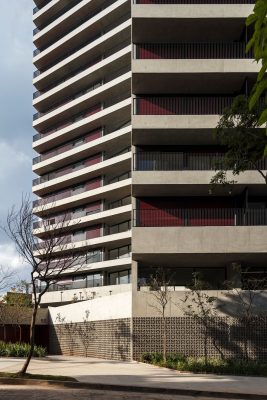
{"x":99,"y":371}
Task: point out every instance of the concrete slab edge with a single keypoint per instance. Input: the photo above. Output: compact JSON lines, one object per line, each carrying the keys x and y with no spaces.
{"x":136,"y":389}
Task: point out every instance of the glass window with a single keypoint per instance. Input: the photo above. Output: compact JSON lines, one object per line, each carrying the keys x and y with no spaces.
{"x":124,"y":277}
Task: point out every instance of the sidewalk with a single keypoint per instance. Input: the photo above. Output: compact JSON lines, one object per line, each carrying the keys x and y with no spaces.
{"x":99,"y":371}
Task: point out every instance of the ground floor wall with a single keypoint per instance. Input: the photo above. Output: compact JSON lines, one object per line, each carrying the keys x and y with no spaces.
{"x":221,"y":337}
{"x":15,"y":334}
{"x":123,"y":339}
{"x":109,"y":339}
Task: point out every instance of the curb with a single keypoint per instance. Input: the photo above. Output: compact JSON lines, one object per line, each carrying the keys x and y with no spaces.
{"x":136,"y":389}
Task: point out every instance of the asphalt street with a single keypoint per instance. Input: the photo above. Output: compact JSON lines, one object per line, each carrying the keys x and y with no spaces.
{"x":16,"y":392}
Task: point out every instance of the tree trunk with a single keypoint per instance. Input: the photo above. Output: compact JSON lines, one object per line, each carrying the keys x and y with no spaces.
{"x":206,"y":345}
{"x":32,"y":341}
{"x":20,"y":334}
{"x":164,"y":338}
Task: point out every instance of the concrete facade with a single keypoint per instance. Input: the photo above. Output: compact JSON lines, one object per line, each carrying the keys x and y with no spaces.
{"x":128,"y":94}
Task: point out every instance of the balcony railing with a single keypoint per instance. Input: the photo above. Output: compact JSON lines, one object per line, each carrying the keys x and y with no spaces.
{"x":86,"y":235}
{"x":64,"y":124}
{"x":96,"y":159}
{"x":108,"y":28}
{"x":57,"y":15}
{"x":78,"y":23}
{"x":83,"y":115}
{"x":235,"y":50}
{"x":73,"y":191}
{"x":95,"y":134}
{"x":68,"y":100}
{"x":194,"y":1}
{"x":83,"y":92}
{"x":182,"y":161}
{"x":199,"y":217}
{"x":41,"y":5}
{"x":181,"y":105}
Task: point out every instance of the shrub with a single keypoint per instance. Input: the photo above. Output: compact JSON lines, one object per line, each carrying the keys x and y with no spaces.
{"x":20,"y":350}
{"x":198,"y":365}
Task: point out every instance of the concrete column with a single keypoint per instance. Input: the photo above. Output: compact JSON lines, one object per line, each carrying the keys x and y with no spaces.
{"x":134,"y":276}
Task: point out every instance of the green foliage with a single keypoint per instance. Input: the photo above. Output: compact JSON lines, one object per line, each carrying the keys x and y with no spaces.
{"x":259,"y":44}
{"x":213,"y":365}
{"x":20,"y":350}
{"x":239,"y":131}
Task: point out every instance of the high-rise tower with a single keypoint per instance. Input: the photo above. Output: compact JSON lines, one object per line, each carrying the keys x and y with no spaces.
{"x":127,"y":97}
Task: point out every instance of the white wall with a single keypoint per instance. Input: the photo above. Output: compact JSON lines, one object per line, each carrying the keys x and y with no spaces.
{"x":108,"y":307}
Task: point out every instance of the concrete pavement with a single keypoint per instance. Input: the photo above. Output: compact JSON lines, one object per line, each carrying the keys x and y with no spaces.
{"x":134,"y":374}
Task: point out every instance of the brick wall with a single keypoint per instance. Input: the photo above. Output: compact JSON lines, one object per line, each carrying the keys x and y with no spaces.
{"x":226,"y":336}
{"x":110,"y":339}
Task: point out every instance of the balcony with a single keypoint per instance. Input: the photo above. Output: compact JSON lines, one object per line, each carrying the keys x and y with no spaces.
{"x":42,"y":60}
{"x":195,"y":217}
{"x":194,"y":1}
{"x":114,"y":115}
{"x":96,"y":134}
{"x":55,"y":16}
{"x":62,"y":28}
{"x":85,"y":187}
{"x":181,"y":105}
{"x":68,"y":100}
{"x":234,"y":50}
{"x":183,"y":161}
{"x":40,"y":5}
{"x":87,"y":238}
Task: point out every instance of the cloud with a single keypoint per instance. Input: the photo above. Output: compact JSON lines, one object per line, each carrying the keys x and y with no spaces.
{"x":9,"y":257}
{"x":11,"y":160}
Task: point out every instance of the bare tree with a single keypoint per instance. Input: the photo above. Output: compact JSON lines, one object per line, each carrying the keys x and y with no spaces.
{"x":160,"y":291}
{"x":6,"y":278}
{"x":48,"y":258}
{"x":86,"y":331}
{"x":198,"y":304}
{"x":248,"y":297}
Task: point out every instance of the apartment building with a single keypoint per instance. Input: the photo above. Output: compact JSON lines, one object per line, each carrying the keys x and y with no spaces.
{"x":128,"y":94}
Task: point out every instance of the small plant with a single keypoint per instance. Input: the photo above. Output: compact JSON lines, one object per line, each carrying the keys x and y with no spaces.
{"x":213,"y":365}
{"x":20,"y":350}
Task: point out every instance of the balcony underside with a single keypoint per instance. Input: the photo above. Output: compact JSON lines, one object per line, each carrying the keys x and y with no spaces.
{"x":192,"y":76}
{"x":155,"y":23}
{"x":111,"y":167}
{"x":120,"y":189}
{"x":119,"y":112}
{"x":193,"y":183}
{"x":200,"y":246}
{"x":118,"y":140}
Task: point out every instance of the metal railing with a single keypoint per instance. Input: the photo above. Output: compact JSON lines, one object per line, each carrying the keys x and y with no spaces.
{"x":199,"y":217}
{"x":118,"y":73}
{"x":68,"y":100}
{"x":108,"y":28}
{"x":86,"y":113}
{"x":73,"y":28}
{"x":234,"y":50}
{"x":70,"y":192}
{"x":57,"y":15}
{"x":41,"y":5}
{"x":82,"y":164}
{"x":71,"y":145}
{"x":179,"y":161}
{"x":80,"y":69}
{"x":181,"y":105}
{"x":194,"y":1}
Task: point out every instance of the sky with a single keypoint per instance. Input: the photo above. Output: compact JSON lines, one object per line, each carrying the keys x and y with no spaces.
{"x":15,"y":117}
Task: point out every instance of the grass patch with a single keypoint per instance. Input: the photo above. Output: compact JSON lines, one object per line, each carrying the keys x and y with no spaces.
{"x":20,"y":350}
{"x":36,"y":376}
{"x":213,"y":366}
